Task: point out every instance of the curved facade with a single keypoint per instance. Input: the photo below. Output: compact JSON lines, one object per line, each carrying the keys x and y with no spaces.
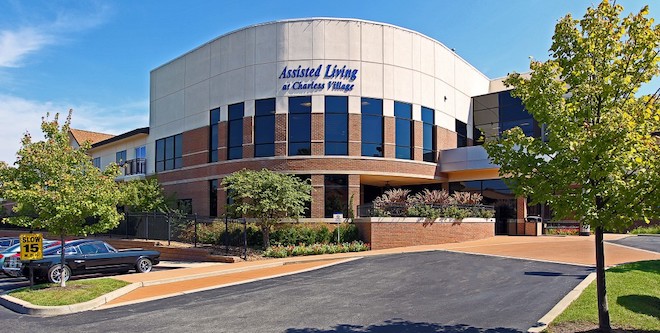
{"x":354,"y":105}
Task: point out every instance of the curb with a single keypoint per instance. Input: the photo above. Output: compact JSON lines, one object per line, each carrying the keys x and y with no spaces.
{"x":180,"y":293}
{"x":572,"y":295}
{"x":23,"y":307}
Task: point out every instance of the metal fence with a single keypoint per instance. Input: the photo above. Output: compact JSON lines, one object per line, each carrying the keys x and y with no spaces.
{"x":195,"y":229}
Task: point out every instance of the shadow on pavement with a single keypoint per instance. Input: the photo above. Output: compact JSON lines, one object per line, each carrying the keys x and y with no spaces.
{"x":403,"y":326}
{"x":553,"y":274}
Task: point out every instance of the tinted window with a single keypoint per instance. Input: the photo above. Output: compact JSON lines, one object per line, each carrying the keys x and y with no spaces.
{"x":300,"y":125}
{"x":168,"y":153}
{"x":264,"y":128}
{"x":213,"y":135}
{"x":372,"y":127}
{"x":461,"y":133}
{"x":336,"y":125}
{"x":235,"y":131}
{"x":403,"y":130}
{"x":336,"y":194}
{"x":428,"y":146}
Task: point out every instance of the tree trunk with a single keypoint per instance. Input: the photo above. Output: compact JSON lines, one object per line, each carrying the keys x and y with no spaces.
{"x":265,"y":233}
{"x":601,"y":290}
{"x":62,"y":282}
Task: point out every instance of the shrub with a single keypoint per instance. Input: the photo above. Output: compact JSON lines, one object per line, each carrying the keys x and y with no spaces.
{"x":435,"y":197}
{"x":348,"y":233}
{"x":456,"y":212}
{"x":423,"y":210}
{"x":655,"y":229}
{"x":281,"y":251}
{"x":294,"y":234}
{"x":563,"y":231}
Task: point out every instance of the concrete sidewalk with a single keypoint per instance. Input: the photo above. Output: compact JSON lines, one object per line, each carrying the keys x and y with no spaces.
{"x":574,"y":250}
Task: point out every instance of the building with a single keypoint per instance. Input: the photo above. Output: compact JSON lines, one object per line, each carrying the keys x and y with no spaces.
{"x":355,"y":106}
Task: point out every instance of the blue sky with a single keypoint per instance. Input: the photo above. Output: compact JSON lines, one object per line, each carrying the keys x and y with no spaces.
{"x":95,"y":56}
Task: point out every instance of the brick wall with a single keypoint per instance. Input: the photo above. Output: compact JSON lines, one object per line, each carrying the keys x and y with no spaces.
{"x":385,"y":235}
{"x":354,"y":134}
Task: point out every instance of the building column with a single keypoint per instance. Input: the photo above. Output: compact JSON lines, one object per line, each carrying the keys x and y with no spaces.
{"x":418,"y":140}
{"x":354,"y":134}
{"x":354,"y":192}
{"x":318,"y":134}
{"x":280,"y":134}
{"x":318,"y":196}
{"x":222,"y":199}
{"x":248,"y":144}
{"x":389,"y":137}
{"x":222,"y":140}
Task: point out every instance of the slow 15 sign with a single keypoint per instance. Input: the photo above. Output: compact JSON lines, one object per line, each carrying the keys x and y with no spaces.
{"x":31,"y":246}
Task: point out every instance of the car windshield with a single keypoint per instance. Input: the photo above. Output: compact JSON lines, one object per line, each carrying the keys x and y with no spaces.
{"x":13,"y":248}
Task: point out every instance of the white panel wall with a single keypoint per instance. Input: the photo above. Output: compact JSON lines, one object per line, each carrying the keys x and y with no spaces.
{"x":393,"y":64}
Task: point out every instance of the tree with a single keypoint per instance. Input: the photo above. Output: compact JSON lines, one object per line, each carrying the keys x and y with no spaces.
{"x":144,"y":195}
{"x":57,"y":188}
{"x":267,"y":197}
{"x":600,"y":162}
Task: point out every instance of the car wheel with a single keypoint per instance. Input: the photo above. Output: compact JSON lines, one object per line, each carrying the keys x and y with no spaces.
{"x":55,"y":275}
{"x":143,"y":265}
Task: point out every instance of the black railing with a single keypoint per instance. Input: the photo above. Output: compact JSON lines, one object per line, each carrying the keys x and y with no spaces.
{"x":413,"y":210}
{"x":136,"y":166}
{"x":193,"y":229}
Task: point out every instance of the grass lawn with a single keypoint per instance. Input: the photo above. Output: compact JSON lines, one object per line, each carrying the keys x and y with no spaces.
{"x":633,"y":295}
{"x":74,"y":292}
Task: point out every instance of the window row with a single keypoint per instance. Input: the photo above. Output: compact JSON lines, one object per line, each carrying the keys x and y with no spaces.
{"x":300,"y":127}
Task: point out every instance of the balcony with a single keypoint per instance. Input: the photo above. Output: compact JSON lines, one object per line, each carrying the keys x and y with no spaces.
{"x":135,"y":168}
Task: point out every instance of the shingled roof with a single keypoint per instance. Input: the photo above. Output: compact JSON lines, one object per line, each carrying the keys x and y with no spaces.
{"x":93,"y":137}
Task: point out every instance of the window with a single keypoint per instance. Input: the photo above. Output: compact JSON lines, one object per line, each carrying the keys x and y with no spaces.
{"x":308,"y":204}
{"x":461,"y":133}
{"x":300,"y":125}
{"x":213,"y":197}
{"x":235,"y":132}
{"x":141,"y":152}
{"x":213,"y":135}
{"x":336,"y":125}
{"x":336,"y":194}
{"x":184,"y":206}
{"x":168,"y":153}
{"x":97,"y":162}
{"x":264,"y":128}
{"x":403,"y":130}
{"x":428,"y":146}
{"x":372,"y":127}
{"x":120,"y":157}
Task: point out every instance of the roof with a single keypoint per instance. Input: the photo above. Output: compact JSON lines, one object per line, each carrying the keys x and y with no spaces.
{"x":137,"y":131}
{"x":93,"y":137}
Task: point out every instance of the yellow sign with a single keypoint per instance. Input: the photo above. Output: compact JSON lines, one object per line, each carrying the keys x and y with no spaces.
{"x":31,"y":246}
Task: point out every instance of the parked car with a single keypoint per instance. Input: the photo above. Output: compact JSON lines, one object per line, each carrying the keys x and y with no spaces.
{"x":10,"y":258}
{"x":87,"y":256}
{"x":6,"y":242}
{"x":16,"y":248}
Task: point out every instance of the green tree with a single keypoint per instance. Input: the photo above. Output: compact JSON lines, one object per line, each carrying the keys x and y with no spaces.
{"x":600,"y":162}
{"x":144,"y":195}
{"x":267,"y":197}
{"x":57,"y":188}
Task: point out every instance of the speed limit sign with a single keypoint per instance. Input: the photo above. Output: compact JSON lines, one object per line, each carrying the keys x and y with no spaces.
{"x":31,"y":246}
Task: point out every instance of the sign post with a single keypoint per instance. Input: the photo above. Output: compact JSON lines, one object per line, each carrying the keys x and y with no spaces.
{"x":338,"y":217}
{"x":32,"y":248}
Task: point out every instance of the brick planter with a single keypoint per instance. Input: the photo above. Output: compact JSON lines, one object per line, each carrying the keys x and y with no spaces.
{"x":389,"y":232}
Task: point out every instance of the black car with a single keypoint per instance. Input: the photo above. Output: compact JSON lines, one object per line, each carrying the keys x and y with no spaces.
{"x":88,"y":256}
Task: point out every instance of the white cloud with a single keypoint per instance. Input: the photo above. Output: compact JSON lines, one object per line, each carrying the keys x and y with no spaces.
{"x":20,"y":115}
{"x":16,"y":45}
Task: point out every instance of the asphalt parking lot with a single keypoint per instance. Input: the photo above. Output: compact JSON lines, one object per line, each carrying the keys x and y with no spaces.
{"x":415,"y":292}
{"x":649,"y":243}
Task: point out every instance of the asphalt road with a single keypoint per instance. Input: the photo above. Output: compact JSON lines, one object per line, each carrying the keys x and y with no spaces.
{"x":418,"y":292}
{"x":649,"y":243}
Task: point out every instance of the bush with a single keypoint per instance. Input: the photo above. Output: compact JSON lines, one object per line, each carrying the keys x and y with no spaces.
{"x":294,"y":234}
{"x":426,"y":211}
{"x":456,"y":212}
{"x":563,"y":231}
{"x":647,"y":230}
{"x":281,"y":251}
{"x":348,"y":233}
